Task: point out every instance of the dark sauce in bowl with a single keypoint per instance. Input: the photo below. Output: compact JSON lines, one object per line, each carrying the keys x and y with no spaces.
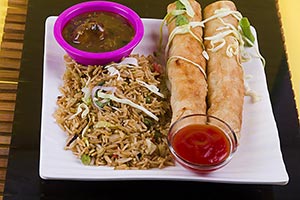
{"x":98,"y":31}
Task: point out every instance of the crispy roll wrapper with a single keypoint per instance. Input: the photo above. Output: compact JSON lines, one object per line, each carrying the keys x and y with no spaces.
{"x":188,"y":84}
{"x":225,"y":74}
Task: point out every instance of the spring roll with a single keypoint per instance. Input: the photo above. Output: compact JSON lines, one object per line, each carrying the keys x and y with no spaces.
{"x":225,"y":75}
{"x":186,"y":66}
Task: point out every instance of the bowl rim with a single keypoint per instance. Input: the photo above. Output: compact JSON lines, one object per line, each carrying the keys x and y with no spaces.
{"x":130,"y":15}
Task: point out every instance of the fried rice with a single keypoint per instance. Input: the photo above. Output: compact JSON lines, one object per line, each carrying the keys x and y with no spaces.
{"x":116,"y":115}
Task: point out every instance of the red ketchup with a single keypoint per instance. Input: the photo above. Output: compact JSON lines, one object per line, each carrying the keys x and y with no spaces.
{"x":201,"y":144}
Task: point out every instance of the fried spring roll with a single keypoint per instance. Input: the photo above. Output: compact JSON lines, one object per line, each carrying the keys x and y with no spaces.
{"x":225,"y":74}
{"x":188,"y":84}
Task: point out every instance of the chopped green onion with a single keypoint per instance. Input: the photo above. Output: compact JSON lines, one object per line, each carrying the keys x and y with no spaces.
{"x":157,"y":135}
{"x":85,"y":159}
{"x":148,"y":122}
{"x":99,"y":104}
{"x":148,"y":99}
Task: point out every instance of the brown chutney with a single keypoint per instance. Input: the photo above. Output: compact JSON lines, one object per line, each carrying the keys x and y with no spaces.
{"x":98,"y":31}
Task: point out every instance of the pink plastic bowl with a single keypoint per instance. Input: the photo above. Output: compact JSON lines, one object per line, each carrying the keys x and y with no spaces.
{"x":89,"y":58}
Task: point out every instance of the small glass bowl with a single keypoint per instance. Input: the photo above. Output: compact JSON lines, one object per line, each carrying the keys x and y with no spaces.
{"x":101,"y":58}
{"x":201,"y":120}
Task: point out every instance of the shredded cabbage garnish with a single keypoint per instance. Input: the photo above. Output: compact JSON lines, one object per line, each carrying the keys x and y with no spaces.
{"x":257,"y":52}
{"x":232,"y":49}
{"x":219,"y":39}
{"x":242,"y":35}
{"x":183,"y":26}
{"x":152,"y":88}
{"x":96,"y":102}
{"x":79,"y":110}
{"x":182,"y":7}
{"x":151,"y":147}
{"x":189,"y":61}
{"x":183,"y":29}
{"x":87,"y":92}
{"x":113,"y":71}
{"x":249,"y":92}
{"x":189,"y":10}
{"x":128,"y":61}
{"x":205,"y":55}
{"x":127,"y":102}
{"x":217,"y":44}
{"x":85,"y":129}
{"x":223,"y":12}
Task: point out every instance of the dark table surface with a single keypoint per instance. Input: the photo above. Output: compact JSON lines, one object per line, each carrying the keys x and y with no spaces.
{"x":23,"y":181}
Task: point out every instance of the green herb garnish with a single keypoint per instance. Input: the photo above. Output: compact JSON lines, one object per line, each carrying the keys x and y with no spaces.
{"x":179,"y":6}
{"x":181,"y":20}
{"x":246,"y":31}
{"x":85,"y":159}
{"x":102,"y":104}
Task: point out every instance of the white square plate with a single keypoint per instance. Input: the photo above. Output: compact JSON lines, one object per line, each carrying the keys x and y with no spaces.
{"x":258,"y":159}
